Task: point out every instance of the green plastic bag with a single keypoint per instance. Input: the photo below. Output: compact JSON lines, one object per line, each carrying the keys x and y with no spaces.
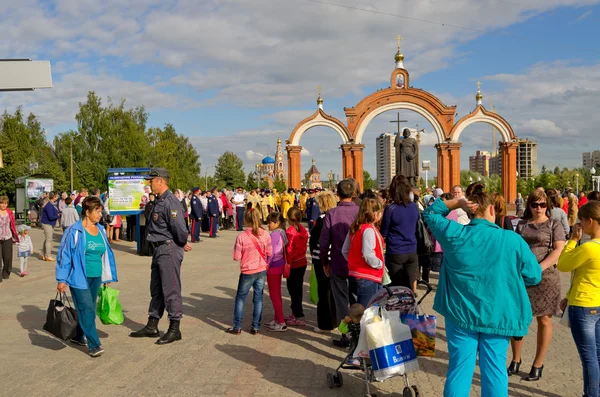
{"x":108,"y":308}
{"x":314,"y":289}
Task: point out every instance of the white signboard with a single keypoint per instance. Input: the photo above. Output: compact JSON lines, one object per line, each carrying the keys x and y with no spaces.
{"x":18,"y":75}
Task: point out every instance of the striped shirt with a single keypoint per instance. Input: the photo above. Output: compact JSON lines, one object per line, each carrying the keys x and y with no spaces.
{"x":245,"y":251}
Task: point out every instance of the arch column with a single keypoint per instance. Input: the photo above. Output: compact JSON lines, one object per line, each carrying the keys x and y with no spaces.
{"x":448,"y":164}
{"x":294,"y":166}
{"x":509,"y":170}
{"x":352,"y":162}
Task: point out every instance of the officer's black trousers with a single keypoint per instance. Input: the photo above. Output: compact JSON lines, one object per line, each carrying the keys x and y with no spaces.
{"x":165,"y":282}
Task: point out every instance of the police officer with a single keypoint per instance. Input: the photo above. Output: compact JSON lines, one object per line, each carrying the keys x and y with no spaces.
{"x":315,"y":212}
{"x":196,"y":214}
{"x":309,"y":204}
{"x":213,"y":213}
{"x":167,"y":236}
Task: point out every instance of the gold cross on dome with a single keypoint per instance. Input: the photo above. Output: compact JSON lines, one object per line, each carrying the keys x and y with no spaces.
{"x":399,"y":38}
{"x":479,"y":86}
{"x":319,"y":88}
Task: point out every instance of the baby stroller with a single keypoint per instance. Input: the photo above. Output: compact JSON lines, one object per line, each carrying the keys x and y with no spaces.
{"x":393,"y":299}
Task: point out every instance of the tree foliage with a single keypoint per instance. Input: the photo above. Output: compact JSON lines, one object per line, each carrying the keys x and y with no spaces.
{"x":229,"y":171}
{"x":251,"y":181}
{"x":368,"y":182}
{"x":279,"y":184}
{"x":107,"y":136}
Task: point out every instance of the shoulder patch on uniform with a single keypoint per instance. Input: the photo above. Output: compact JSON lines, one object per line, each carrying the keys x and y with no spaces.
{"x":173,"y":213}
{"x":155,"y":216}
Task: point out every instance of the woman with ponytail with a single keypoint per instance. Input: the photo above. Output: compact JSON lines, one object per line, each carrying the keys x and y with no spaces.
{"x":251,"y":249}
{"x":481,"y":292}
{"x":297,"y":237}
{"x":363,"y":249}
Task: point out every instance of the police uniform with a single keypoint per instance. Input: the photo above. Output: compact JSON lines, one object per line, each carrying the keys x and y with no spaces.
{"x":309,"y":204}
{"x":314,"y":214}
{"x":167,"y":235}
{"x":196,"y":214}
{"x":213,"y":214}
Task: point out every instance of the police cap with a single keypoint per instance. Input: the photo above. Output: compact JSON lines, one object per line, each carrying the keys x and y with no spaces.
{"x":196,"y":189}
{"x":158,"y":173}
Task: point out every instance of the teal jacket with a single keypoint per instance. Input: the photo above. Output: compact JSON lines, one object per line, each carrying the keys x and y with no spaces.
{"x":484,"y":275}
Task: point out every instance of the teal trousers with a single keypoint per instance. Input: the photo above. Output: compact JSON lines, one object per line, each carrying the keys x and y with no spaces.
{"x":463,"y":346}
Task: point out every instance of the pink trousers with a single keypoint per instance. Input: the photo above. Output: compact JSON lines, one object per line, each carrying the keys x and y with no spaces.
{"x":274,"y":283}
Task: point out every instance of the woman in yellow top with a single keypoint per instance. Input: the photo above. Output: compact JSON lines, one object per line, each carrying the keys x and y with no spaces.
{"x":287,"y":202}
{"x":584,"y":295}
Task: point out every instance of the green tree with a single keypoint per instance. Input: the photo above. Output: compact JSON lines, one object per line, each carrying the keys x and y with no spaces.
{"x":368,"y":182}
{"x":229,"y":171}
{"x":279,"y":184}
{"x":23,"y":141}
{"x":251,"y":181}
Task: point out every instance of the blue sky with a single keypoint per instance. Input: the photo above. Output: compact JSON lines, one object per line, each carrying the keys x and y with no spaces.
{"x":237,"y":75}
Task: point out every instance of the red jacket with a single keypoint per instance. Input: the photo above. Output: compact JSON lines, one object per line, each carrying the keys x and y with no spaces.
{"x":583,"y":201}
{"x":357,"y":266}
{"x":565,"y":206}
{"x":13,"y":226}
{"x":296,"y":248}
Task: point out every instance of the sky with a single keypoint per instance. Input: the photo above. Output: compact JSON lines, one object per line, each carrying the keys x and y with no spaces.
{"x":236,"y":74}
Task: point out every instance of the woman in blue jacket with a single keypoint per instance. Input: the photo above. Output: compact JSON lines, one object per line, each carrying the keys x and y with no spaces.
{"x":481,"y":291}
{"x":84,"y":261}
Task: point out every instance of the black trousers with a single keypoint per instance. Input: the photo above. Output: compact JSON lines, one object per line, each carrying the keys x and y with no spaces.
{"x":295,"y":286}
{"x":403,"y":269}
{"x":165,"y":282}
{"x":325,"y":307}
{"x":6,"y":249}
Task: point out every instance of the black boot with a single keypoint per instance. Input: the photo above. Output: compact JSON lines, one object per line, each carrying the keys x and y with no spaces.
{"x":513,"y":368}
{"x":535,"y":374}
{"x":149,"y":331}
{"x":173,"y":334}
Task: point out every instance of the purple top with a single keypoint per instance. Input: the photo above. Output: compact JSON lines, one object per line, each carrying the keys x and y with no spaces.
{"x":335,"y":228}
{"x":278,"y":242}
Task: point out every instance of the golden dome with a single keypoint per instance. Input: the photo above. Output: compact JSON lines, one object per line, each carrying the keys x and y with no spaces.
{"x":399,"y":56}
{"x":279,"y":141}
{"x":319,"y":100}
{"x":479,"y":96}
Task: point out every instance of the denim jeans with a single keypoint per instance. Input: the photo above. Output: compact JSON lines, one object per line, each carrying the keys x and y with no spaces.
{"x":366,"y":289}
{"x":585,"y":328}
{"x":85,"y":304}
{"x":257,"y":282}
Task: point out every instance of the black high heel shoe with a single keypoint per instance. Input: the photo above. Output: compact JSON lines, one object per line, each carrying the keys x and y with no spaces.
{"x":513,"y":368}
{"x":535,"y":374}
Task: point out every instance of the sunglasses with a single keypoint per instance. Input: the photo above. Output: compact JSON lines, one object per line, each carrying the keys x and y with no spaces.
{"x":535,"y":205}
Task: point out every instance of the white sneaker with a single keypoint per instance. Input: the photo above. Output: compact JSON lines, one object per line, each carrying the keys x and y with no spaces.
{"x":271,"y":323}
{"x":321,"y":331}
{"x":278,"y":328}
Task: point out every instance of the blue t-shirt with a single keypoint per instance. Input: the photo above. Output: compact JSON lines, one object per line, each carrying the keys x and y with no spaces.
{"x":398,"y":227}
{"x":94,"y":249}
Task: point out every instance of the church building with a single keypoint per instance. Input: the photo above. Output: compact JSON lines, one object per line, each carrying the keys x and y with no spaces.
{"x":313,"y":177}
{"x":271,"y":168}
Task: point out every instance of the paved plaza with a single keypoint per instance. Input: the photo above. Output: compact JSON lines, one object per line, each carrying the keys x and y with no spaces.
{"x":208,"y":361}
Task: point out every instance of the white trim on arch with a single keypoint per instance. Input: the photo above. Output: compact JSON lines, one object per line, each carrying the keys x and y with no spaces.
{"x":401,"y":105}
{"x":318,"y":121}
{"x":480,"y":117}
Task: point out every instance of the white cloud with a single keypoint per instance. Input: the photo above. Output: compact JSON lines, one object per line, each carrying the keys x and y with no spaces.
{"x":252,"y":155}
{"x":541,"y":127}
{"x":305,"y":153}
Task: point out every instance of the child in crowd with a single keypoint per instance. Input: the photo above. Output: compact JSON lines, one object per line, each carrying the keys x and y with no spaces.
{"x":350,"y":328}
{"x":69,"y":214}
{"x":251,"y":249}
{"x":297,"y":237}
{"x":363,"y":249}
{"x":24,"y":247}
{"x":275,"y":271}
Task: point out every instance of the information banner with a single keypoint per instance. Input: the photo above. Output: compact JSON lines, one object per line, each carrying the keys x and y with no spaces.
{"x":127,"y":193}
{"x":35,"y":187}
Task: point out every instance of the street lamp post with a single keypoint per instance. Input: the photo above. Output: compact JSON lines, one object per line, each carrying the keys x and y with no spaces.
{"x":577,"y":188}
{"x":206,"y":177}
{"x":594,"y":178}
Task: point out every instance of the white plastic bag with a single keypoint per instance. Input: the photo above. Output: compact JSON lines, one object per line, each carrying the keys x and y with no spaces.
{"x":391,"y":347}
{"x":362,"y":350}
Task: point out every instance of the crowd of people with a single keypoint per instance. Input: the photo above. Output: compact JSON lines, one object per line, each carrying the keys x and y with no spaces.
{"x":496,"y":272}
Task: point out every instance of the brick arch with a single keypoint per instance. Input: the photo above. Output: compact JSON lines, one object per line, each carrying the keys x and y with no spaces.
{"x":429,"y":106}
{"x":481,"y":115}
{"x":318,"y":119}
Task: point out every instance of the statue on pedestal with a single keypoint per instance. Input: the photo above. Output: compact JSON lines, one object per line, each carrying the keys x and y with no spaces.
{"x":406,"y":157}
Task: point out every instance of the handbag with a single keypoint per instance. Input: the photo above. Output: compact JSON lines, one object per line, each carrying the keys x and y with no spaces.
{"x":109,"y":308}
{"x":423,"y":329}
{"x":61,"y":320}
{"x":424,"y":243}
{"x":108,"y":218}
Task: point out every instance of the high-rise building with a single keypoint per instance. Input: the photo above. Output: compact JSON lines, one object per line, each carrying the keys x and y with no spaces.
{"x":527,"y":159}
{"x":386,"y":159}
{"x":480,"y":163}
{"x":591,"y":159}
